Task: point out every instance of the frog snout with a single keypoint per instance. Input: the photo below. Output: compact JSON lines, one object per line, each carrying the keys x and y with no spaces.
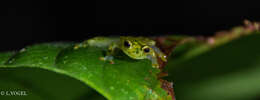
{"x":137,"y":51}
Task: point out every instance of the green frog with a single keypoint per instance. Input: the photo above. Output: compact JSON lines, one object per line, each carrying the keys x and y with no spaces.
{"x":134,"y":47}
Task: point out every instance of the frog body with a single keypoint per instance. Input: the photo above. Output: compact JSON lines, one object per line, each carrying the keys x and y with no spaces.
{"x":134,"y":47}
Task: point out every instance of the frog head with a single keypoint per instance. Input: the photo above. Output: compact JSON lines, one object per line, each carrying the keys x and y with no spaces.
{"x":137,"y":47}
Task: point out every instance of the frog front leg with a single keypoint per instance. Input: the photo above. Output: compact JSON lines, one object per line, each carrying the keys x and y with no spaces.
{"x":79,"y":45}
{"x":154,"y":61}
{"x":109,"y":55}
{"x":159,"y":53}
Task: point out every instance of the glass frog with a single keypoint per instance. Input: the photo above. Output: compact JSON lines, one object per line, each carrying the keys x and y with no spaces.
{"x":134,"y":47}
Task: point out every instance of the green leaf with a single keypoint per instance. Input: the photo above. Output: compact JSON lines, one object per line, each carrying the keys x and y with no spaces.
{"x":127,"y":79}
{"x":42,"y":85}
{"x":225,"y":68}
{"x":229,"y":71}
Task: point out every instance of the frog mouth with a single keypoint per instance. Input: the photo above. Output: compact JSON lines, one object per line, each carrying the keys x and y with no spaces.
{"x":135,"y":55}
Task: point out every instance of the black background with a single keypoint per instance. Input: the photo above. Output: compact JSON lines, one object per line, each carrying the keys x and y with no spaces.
{"x":27,"y":22}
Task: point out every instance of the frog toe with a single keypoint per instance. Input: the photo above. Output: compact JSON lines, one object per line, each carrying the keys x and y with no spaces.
{"x":107,"y":58}
{"x":164,"y":58}
{"x":155,"y":65}
{"x":111,"y":62}
{"x":102,"y":58}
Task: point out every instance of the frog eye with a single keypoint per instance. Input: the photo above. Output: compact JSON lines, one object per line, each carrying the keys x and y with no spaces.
{"x":146,"y":49}
{"x":127,"y":44}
